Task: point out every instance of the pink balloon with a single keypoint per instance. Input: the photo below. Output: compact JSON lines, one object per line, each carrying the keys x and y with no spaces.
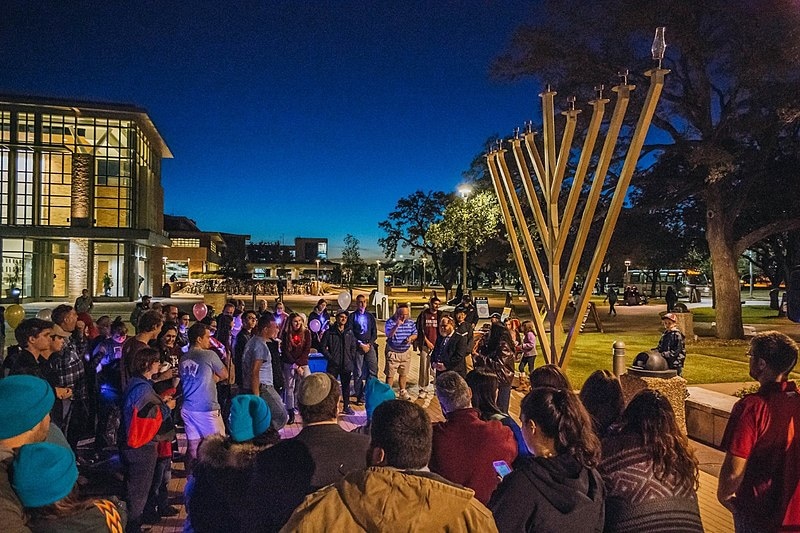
{"x":200,"y":310}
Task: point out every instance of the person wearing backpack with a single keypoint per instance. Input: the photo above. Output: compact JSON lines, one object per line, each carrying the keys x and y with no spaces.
{"x":146,"y":420}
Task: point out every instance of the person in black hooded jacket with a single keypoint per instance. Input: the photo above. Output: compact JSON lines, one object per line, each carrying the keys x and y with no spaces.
{"x":558,"y":488}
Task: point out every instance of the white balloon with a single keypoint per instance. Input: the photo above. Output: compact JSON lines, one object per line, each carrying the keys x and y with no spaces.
{"x":45,"y":314}
{"x":344,"y":299}
{"x":314,"y":325}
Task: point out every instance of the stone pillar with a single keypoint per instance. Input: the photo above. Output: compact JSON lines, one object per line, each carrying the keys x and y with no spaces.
{"x":79,"y":267}
{"x":82,"y":191}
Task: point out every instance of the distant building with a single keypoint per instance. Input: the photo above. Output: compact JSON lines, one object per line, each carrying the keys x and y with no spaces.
{"x":308,"y":249}
{"x":273,"y":260}
{"x":81,"y":201}
{"x":194,"y":251}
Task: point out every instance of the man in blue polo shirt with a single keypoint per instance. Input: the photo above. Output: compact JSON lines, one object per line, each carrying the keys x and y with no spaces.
{"x":401,"y":332}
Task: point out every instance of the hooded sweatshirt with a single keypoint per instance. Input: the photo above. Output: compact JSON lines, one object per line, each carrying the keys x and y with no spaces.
{"x":387,"y":499}
{"x":550,"y":494}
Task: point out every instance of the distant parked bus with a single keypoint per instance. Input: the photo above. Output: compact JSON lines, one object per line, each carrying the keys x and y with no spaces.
{"x":683,"y":279}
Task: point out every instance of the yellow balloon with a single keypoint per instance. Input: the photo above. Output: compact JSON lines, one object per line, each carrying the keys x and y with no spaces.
{"x":14,"y":315}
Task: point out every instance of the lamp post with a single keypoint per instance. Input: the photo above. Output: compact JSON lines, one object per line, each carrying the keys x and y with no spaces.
{"x":627,"y":266}
{"x":464,"y":193}
{"x":318,"y":284}
{"x":540,"y":167}
{"x":424,"y":261}
{"x":188,"y":268}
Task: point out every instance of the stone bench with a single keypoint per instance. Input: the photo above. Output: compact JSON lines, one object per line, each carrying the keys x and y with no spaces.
{"x":707,"y":414}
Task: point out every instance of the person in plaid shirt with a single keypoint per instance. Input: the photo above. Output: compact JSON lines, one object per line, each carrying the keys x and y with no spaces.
{"x":69,"y":372}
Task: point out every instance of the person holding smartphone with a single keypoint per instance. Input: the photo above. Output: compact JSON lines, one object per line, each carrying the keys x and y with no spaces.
{"x":558,"y":488}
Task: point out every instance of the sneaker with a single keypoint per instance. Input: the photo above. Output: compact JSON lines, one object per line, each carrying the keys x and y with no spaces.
{"x":348,"y":411}
{"x":422,"y":394}
{"x":404,"y":394}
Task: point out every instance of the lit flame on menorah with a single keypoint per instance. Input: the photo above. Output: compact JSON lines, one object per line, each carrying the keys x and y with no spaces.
{"x":543,"y":195}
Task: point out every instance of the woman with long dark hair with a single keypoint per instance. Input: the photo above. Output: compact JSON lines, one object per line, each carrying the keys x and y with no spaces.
{"x":295,"y":347}
{"x":558,"y":488}
{"x":484,"y":386}
{"x":601,"y":395}
{"x":496,"y":354}
{"x":649,"y":470}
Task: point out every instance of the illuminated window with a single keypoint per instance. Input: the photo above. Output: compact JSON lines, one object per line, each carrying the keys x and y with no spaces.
{"x":24,"y":199}
{"x":56,"y":189}
{"x":113,"y":192}
{"x":180,"y":242}
{"x":5,"y":182}
{"x":5,"y":126}
{"x":109,"y":269}
{"x":213,"y":246}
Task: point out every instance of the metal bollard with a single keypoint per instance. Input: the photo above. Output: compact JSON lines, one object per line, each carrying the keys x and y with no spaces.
{"x":619,"y":358}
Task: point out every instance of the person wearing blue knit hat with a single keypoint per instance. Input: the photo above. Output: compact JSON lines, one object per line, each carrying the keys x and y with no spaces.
{"x":375,"y":393}
{"x":45,"y":477}
{"x":249,"y":418}
{"x":213,"y":494}
{"x":25,"y":403}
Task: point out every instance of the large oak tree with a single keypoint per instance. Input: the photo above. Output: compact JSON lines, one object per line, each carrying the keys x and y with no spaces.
{"x":728,"y":116}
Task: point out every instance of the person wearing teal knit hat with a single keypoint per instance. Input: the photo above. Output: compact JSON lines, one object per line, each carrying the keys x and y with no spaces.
{"x":25,"y":403}
{"x":376,"y":393}
{"x":45,"y":477}
{"x":213,"y":494}
{"x":249,"y":418}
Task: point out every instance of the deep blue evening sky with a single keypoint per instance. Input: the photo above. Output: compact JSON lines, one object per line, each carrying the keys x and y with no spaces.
{"x":285,"y":118}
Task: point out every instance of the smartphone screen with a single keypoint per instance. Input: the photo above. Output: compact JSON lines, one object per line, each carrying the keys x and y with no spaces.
{"x":502,"y":468}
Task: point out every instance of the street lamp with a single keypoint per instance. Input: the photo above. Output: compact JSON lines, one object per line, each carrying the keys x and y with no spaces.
{"x":464,"y":192}
{"x":424,"y":261}
{"x":627,"y":266}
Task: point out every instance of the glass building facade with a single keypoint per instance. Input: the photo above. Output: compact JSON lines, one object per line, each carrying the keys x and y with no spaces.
{"x":81,"y":201}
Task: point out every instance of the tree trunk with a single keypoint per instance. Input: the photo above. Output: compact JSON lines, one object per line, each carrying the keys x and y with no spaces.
{"x":726,"y":273}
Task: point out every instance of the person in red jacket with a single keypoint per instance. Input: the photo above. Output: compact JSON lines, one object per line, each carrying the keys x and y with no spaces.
{"x":464,"y":446}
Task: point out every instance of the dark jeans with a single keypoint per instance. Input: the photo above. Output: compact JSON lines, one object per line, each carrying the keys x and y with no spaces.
{"x":366,"y":366}
{"x":527,"y":361}
{"x":140,"y":466}
{"x":158,"y":499}
{"x":345,"y":376}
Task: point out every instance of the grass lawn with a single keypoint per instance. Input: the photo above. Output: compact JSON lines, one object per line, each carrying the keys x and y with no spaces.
{"x":707,"y":361}
{"x":751,"y":314}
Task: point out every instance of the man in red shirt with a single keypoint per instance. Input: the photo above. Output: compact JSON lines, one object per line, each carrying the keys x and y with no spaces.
{"x":465,"y":447}
{"x":760,"y":478}
{"x":428,"y":323}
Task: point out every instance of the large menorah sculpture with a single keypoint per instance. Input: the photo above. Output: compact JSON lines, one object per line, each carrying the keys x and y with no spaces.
{"x":552,"y":224}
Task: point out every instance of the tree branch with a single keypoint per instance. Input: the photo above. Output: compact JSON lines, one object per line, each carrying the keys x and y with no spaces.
{"x":779,"y":226}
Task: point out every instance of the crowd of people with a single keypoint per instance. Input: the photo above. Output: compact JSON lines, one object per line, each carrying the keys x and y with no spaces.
{"x":231,"y":382}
